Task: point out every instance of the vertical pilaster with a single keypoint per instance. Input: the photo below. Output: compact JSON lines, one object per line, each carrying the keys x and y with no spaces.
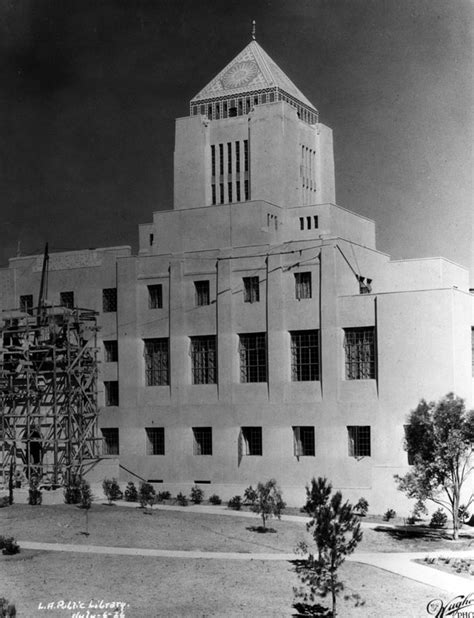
{"x":225,"y":342}
{"x":177,"y":338}
{"x":329,"y":333}
{"x":276,"y":341}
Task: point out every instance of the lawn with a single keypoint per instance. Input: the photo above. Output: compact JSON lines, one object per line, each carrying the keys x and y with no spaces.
{"x":187,"y":587}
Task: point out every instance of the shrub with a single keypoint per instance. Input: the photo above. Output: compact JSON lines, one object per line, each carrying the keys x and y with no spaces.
{"x":131,"y":492}
{"x":111,"y":490}
{"x":7,"y":610}
{"x":439,"y":519}
{"x":146,"y":495}
{"x":86,"y":495}
{"x":9,"y":546}
{"x":235,"y":503}
{"x":34,"y":494}
{"x":214,"y":499}
{"x":250,"y":495}
{"x":362,"y":507}
{"x":163,"y":495}
{"x":72,"y":490}
{"x":197,"y":494}
{"x":268,"y":502}
{"x":4,"y":501}
{"x":181,"y":499}
{"x":389,"y":514}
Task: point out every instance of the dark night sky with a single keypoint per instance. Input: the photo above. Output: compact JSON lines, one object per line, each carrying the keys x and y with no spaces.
{"x":90,"y":91}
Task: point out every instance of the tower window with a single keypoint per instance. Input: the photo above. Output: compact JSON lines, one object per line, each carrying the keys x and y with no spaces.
{"x":209,"y":112}
{"x":303,"y":286}
{"x":240,"y":107}
{"x":156,"y":362}
{"x":237,"y":157}
{"x":251,"y":290}
{"x":201,"y":293}
{"x":229,"y":158}
{"x":151,"y":238}
{"x":246,"y":155}
{"x":67,"y":299}
{"x":237,"y":190}
{"x":253,"y":357}
{"x":213,"y":160}
{"x":213,"y":190}
{"x":229,"y":191}
{"x":155,"y":296}
{"x":221,"y":159}
{"x":359,"y":345}
{"x":316,"y":222}
{"x":218,"y":111}
{"x":246,"y":190}
{"x":221,"y":192}
{"x":109,"y":300}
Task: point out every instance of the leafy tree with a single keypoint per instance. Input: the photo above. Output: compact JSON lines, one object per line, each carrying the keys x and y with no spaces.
{"x":335,"y":528}
{"x":34,"y":493}
{"x":86,"y":501}
{"x":440,"y":441}
{"x":111,"y":490}
{"x":146,"y":495}
{"x":131,"y":492}
{"x":268,"y":501}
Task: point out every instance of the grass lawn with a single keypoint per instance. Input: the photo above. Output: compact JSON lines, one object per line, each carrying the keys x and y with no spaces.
{"x":181,"y":587}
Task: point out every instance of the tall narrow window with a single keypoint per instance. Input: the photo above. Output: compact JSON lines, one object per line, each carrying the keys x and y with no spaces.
{"x":251,"y":289}
{"x":237,"y":157}
{"x":203,"y":359}
{"x":305,"y":355}
{"x":213,"y":160}
{"x":253,"y":357}
{"x":229,"y":158}
{"x":155,"y":296}
{"x":246,"y":155}
{"x":304,"y":441}
{"x":111,"y":441}
{"x":359,"y":345}
{"x":111,"y":393}
{"x":359,"y":440}
{"x":201,"y":293}
{"x":301,"y":223}
{"x":221,"y":193}
{"x":252,"y":437}
{"x":303,"y":286}
{"x":202,"y":440}
{"x":109,"y":300}
{"x":246,"y":189}
{"x":221,"y":159}
{"x":229,"y":191}
{"x":237,"y":190}
{"x":26,"y":303}
{"x":67,"y":299}
{"x":155,"y":440}
{"x":156,"y":362}
{"x":111,"y":351}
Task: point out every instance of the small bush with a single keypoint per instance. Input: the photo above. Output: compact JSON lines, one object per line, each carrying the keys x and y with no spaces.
{"x":146,"y":495}
{"x":181,"y":499}
{"x":439,"y":519}
{"x":112,"y":490}
{"x":389,"y":514}
{"x":72,"y":490}
{"x":250,"y":495}
{"x":7,"y":610}
{"x":131,"y":492}
{"x":214,"y":499}
{"x":362,"y":507}
{"x":235,"y":503}
{"x":163,"y":495}
{"x":4,"y":501}
{"x":86,"y":495}
{"x":34,"y":494}
{"x":197,"y":494}
{"x":9,"y":546}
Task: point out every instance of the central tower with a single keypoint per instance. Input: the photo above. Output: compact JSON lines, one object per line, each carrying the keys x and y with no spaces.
{"x":252,"y":135}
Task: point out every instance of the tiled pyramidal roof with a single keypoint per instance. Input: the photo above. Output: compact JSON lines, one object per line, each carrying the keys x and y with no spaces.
{"x":251,"y":71}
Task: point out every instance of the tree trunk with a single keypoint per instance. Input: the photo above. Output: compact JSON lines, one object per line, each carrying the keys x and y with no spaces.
{"x":334,"y":610}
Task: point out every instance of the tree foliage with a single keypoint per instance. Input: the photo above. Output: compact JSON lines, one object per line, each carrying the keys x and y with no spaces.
{"x":336,"y":530}
{"x":268,"y":501}
{"x":440,"y":442}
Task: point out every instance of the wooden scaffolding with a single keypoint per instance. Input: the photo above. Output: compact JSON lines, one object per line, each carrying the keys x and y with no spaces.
{"x":48,"y":394}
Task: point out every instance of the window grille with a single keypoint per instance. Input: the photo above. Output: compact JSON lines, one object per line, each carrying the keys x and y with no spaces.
{"x":111,"y":393}
{"x":204,"y":359}
{"x":155,"y":296}
{"x":201,"y":293}
{"x":359,"y":344}
{"x":26,"y":303}
{"x":253,"y":357}
{"x":111,"y":351}
{"x":303,"y":286}
{"x":305,"y":356}
{"x":111,"y":441}
{"x":67,"y":299}
{"x":221,"y":159}
{"x":304,"y":441}
{"x":251,"y":289}
{"x":202,"y":440}
{"x":246,"y":155}
{"x":156,"y":362}
{"x":155,"y":444}
{"x":359,"y":440}
{"x":252,"y":437}
{"x":109,"y":300}
{"x":237,"y":157}
{"x":213,"y":160}
{"x":229,"y":158}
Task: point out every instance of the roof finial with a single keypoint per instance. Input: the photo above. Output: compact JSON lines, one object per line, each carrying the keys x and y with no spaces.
{"x":254,"y":29}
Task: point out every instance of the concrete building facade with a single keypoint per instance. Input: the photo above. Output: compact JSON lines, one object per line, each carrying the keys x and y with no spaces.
{"x":259,"y":332}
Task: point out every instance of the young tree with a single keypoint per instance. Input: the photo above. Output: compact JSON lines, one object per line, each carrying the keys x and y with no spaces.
{"x":268,"y":501}
{"x":335,"y":528}
{"x":111,"y":490}
{"x":440,"y":441}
